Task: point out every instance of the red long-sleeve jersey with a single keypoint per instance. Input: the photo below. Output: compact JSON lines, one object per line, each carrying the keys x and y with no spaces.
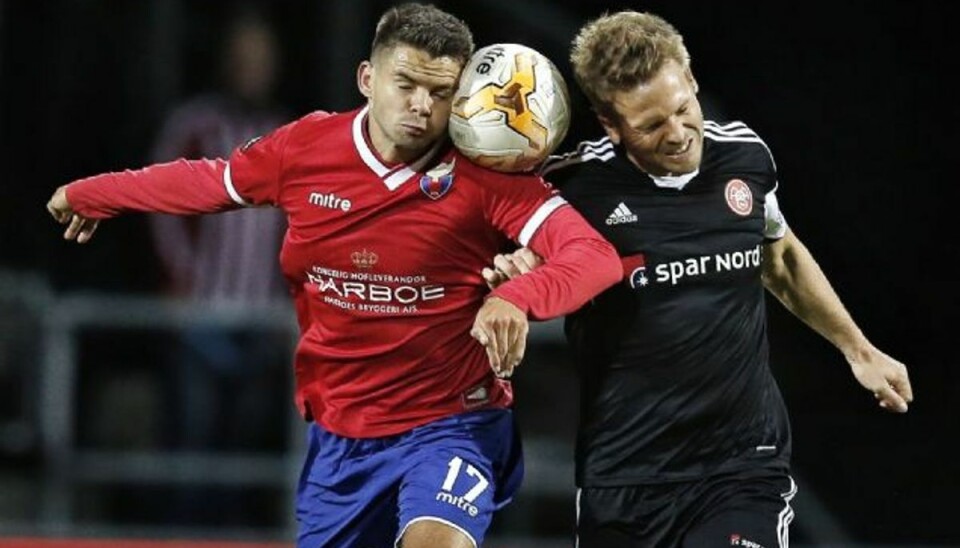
{"x":383,"y":262}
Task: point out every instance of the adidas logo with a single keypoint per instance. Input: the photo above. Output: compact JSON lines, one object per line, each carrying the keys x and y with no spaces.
{"x":621,"y":215}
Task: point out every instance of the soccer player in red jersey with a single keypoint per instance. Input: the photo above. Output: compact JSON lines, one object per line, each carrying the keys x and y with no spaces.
{"x":404,"y":351}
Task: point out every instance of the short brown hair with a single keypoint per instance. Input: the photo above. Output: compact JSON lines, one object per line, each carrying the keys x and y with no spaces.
{"x":425,"y":27}
{"x":620,"y":51}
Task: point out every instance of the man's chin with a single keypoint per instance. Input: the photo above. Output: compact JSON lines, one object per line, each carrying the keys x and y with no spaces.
{"x":417,"y":142}
{"x":681,"y":168}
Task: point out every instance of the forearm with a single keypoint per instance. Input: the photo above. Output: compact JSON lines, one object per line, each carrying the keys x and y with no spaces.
{"x":796,"y":279}
{"x":182,"y":187}
{"x":579,"y":265}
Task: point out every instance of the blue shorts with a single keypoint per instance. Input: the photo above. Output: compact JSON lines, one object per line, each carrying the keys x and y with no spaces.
{"x":363,"y":493}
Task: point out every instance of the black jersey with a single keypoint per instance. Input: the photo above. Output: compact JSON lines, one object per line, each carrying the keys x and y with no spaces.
{"x":673,"y":360}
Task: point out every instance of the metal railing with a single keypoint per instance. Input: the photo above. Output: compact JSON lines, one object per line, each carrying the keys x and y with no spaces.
{"x":69,"y":465}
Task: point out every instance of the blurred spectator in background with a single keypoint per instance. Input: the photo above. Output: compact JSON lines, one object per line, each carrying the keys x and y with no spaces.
{"x":229,"y":384}
{"x":220,"y":257}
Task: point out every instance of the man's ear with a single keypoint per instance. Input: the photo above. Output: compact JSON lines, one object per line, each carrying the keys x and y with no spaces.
{"x":693,"y":81}
{"x":610,"y":127}
{"x":365,"y":78}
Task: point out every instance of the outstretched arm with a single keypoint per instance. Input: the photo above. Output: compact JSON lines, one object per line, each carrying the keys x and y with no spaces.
{"x":792,"y":275}
{"x":180,"y":187}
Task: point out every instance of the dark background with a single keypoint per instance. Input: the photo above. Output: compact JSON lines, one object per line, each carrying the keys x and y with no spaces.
{"x":849,"y":96}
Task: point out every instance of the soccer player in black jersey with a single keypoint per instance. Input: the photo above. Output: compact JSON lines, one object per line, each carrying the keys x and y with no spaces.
{"x":684,"y":439}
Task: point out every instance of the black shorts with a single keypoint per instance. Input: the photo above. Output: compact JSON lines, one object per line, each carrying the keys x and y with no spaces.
{"x":748,"y":509}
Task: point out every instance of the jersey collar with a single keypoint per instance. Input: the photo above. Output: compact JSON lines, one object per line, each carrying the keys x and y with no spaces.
{"x":394,"y":176}
{"x":675,"y":181}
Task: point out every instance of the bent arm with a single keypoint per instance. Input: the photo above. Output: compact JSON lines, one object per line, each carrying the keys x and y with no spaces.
{"x":792,"y":275}
{"x":580,"y":264}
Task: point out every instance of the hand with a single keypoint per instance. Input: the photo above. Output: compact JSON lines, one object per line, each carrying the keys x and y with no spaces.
{"x":886,"y":377}
{"x":510,"y":265}
{"x":502,"y":329}
{"x":79,"y":228}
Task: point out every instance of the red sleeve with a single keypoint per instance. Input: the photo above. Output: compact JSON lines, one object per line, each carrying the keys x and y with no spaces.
{"x":181,"y":187}
{"x":579,"y":264}
{"x":187,"y":187}
{"x":253,"y":176}
{"x":256,"y":168}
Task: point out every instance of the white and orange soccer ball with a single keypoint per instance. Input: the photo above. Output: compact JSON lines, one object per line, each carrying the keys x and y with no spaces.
{"x":512,"y":108}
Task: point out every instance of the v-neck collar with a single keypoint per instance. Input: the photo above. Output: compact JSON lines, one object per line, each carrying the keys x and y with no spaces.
{"x":394,"y":176}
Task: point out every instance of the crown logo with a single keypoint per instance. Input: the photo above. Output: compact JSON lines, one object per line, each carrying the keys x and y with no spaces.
{"x":364,"y":259}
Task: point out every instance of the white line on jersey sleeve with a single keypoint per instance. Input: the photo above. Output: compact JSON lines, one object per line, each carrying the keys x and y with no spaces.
{"x":776,"y":224}
{"x":538,"y":217}
{"x":231,"y":190}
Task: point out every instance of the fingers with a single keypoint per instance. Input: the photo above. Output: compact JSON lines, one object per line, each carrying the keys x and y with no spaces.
{"x":511,"y":340}
{"x":80,"y":229}
{"x":515,"y":264}
{"x":76,"y":223}
{"x":887,"y":378}
{"x":87,"y":230}
{"x":518,"y":347}
{"x":896,"y":394}
{"x":510,"y":265}
{"x":507,"y":351}
{"x":502,"y":329}
{"x":505,"y":266}
{"x":890,"y":400}
{"x":901,"y":384}
{"x":526,"y":259}
{"x":492,"y":277}
{"x":490,"y":344}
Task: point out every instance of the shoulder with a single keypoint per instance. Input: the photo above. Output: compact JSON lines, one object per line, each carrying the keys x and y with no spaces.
{"x":321,"y":119}
{"x":484,"y":175}
{"x":586,"y":153}
{"x":735,"y":146}
{"x":318,"y":124}
{"x":588,"y":160}
{"x":493,"y":183}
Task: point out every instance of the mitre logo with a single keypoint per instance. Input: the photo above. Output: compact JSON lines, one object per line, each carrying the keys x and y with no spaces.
{"x":364,"y":259}
{"x":331,"y":201}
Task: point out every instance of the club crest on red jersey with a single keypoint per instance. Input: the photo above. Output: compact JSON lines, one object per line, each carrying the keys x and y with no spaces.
{"x":739,"y":197}
{"x":437,"y":182}
{"x":364,"y":259}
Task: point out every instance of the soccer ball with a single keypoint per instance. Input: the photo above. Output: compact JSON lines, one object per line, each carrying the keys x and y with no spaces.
{"x":512,"y":108}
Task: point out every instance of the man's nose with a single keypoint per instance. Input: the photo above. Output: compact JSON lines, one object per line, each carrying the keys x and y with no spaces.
{"x":675,"y":130}
{"x":421,"y":102}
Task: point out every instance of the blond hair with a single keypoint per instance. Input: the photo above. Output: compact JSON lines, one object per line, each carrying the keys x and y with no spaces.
{"x":617,"y":52}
